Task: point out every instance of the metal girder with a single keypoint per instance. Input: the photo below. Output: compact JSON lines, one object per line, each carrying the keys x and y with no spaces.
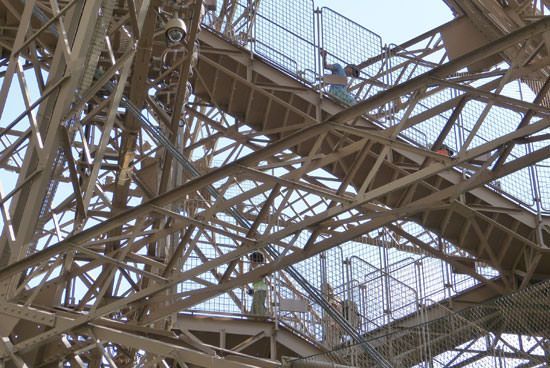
{"x":149,"y":201}
{"x":163,"y":349}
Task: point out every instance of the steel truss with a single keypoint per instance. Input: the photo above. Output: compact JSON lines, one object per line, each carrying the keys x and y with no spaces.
{"x":140,"y":174}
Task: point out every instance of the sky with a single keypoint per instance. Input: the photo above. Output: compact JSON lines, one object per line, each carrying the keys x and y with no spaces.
{"x":395,"y":20}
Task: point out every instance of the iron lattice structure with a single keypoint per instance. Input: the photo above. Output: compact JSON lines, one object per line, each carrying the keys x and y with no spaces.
{"x":138,"y":173}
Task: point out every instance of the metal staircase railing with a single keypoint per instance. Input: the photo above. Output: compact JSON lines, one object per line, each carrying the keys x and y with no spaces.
{"x":313,"y":292}
{"x":162,"y":140}
{"x":466,"y":338}
{"x":382,"y":295}
{"x":281,"y":23}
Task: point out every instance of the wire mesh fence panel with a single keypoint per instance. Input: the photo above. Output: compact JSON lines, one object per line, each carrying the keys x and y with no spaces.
{"x":347,"y":42}
{"x":511,"y":331}
{"x":405,"y":271}
{"x":285,"y":35}
{"x":543,"y":178}
{"x":373,"y":306}
{"x":402,"y":66}
{"x":232,"y":303}
{"x":360,"y":268}
{"x":432,"y":279}
{"x":376,"y":308}
{"x":427,"y":131}
{"x":403,"y":299}
{"x":296,"y":311}
{"x":277,"y":57}
{"x":461,"y":282}
{"x":499,"y":122}
{"x":517,"y":186}
{"x":233,"y":22}
{"x":385,"y":286}
{"x":332,"y":267}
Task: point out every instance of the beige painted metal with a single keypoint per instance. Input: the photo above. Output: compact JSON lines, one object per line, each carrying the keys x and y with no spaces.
{"x":95,"y":255}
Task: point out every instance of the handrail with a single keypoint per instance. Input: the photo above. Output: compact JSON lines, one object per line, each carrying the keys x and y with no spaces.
{"x":388,"y":52}
{"x":469,"y":326}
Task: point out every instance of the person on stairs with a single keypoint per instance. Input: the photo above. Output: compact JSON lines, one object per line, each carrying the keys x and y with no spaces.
{"x":259,"y":287}
{"x":340,"y":90}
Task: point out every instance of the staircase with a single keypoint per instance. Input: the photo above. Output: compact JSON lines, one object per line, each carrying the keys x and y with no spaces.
{"x":396,"y":181}
{"x":466,"y":337}
{"x":272,"y":102}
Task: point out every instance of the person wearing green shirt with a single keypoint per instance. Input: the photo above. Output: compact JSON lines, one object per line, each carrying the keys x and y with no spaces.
{"x":259,"y":287}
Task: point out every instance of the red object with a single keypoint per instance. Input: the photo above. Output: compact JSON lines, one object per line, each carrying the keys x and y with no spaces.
{"x":443,"y":152}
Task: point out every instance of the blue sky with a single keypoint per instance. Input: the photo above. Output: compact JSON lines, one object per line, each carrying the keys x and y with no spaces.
{"x":395,"y":20}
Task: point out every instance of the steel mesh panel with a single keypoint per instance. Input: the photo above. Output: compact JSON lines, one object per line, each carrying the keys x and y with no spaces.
{"x":370,"y":302}
{"x":310,"y":323}
{"x":425,"y":133}
{"x":334,"y":262}
{"x":468,"y":117}
{"x":433,"y":278}
{"x":543,"y":178}
{"x":517,"y":186}
{"x":403,"y":299}
{"x":279,"y":58}
{"x":374,"y":307}
{"x":348,"y":41}
{"x":401,"y":67}
{"x":404,"y":270}
{"x":360,"y":269}
{"x":465,"y":339}
{"x":284,"y":34}
{"x":497,"y":123}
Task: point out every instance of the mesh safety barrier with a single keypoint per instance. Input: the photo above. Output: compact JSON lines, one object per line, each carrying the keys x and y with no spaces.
{"x":290,"y":34}
{"x":285,"y":35}
{"x":510,"y":331}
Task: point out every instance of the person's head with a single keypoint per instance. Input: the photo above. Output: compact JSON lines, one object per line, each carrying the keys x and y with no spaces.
{"x":445,"y":151}
{"x":327,"y":289}
{"x":256,"y":258}
{"x":351,"y":71}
